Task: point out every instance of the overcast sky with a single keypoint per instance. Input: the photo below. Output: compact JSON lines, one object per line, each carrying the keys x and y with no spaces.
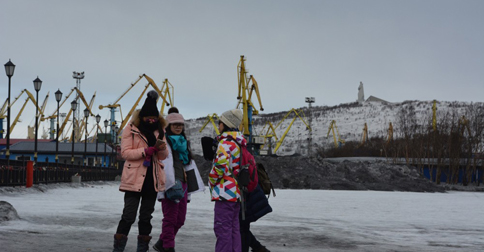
{"x":400,"y":50}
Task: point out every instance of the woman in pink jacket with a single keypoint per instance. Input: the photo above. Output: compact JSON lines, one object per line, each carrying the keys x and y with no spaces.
{"x":142,"y":147}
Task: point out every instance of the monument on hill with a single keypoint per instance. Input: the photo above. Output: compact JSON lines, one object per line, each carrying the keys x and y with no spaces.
{"x":361,"y":94}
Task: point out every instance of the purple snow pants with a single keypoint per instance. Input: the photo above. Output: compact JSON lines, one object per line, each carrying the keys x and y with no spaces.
{"x":226,"y":226}
{"x":173,"y":219}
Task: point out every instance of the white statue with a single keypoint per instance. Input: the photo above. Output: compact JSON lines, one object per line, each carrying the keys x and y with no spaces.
{"x":361,"y":94}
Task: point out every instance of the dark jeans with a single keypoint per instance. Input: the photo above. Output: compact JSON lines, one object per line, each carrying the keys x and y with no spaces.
{"x":131,"y":203}
{"x":247,"y":238}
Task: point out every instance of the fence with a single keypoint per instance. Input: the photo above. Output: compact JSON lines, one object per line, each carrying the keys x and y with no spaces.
{"x":15,"y":173}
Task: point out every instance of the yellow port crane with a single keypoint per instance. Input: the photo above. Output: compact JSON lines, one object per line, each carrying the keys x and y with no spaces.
{"x":332,"y":128}
{"x":390,"y":134}
{"x":78,"y":129}
{"x":364,"y":136}
{"x":166,"y":90}
{"x":464,"y":125}
{"x":30,"y":130}
{"x":296,"y":115}
{"x":32,"y":99}
{"x":244,"y":97}
{"x":210,"y":118}
{"x":271,"y":131}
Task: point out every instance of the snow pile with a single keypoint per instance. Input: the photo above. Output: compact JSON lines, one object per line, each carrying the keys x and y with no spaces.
{"x":7,"y":212}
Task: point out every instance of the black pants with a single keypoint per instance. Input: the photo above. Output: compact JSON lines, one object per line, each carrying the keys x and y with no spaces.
{"x":247,"y":238}
{"x":131,"y":203}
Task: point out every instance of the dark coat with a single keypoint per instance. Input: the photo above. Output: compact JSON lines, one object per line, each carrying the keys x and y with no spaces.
{"x":257,"y":205}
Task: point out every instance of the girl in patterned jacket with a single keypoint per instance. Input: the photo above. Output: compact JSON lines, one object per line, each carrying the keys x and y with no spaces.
{"x":223,"y":185}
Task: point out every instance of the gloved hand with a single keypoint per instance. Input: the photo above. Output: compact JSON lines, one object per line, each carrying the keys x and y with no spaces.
{"x":147,"y":161}
{"x":150,"y":151}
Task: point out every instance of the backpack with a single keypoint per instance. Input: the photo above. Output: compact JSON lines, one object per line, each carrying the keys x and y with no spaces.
{"x":247,"y":177}
{"x":264,"y":180}
{"x":209,"y":147}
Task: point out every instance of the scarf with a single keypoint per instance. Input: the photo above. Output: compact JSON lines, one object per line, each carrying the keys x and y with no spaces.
{"x":179,"y":144}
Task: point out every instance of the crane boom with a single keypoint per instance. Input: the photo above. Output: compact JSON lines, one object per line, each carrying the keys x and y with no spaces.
{"x":163,"y":93}
{"x":364,"y":136}
{"x":210,"y":119}
{"x":332,"y":128}
{"x":390,"y":133}
{"x":296,"y":115}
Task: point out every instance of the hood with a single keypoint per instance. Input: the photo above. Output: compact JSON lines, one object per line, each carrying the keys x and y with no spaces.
{"x":135,"y":120}
{"x":239,"y":137}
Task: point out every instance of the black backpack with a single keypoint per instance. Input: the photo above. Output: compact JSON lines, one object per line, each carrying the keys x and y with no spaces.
{"x":209,"y":147}
{"x":264,"y":180}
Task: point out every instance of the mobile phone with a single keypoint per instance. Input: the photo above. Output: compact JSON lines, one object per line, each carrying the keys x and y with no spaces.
{"x":159,"y":142}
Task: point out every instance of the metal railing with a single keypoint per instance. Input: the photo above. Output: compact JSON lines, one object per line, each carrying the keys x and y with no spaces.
{"x":43,"y":173}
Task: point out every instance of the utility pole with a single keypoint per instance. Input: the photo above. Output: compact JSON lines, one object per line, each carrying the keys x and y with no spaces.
{"x":309,"y":100}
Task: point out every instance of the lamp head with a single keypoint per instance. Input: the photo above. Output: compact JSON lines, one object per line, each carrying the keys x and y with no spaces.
{"x":86,"y":113}
{"x":37,"y":84}
{"x":74,"y":105}
{"x":9,"y":68}
{"x":58,"y":95}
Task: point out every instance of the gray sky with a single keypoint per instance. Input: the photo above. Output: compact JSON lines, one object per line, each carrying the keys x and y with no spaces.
{"x":400,"y":50}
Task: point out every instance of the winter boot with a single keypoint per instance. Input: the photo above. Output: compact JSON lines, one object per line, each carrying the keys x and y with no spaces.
{"x":261,"y":249}
{"x":143,"y":243}
{"x":120,"y":242}
{"x":158,"y":245}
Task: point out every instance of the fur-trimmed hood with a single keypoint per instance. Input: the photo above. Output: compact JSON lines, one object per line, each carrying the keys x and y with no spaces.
{"x":136,"y":120}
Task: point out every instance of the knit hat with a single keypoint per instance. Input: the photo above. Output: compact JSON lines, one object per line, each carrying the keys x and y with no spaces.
{"x":232,"y":118}
{"x":149,"y":108}
{"x":175,"y":118}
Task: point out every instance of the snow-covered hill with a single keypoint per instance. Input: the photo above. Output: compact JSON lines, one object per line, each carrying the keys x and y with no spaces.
{"x":350,"y":119}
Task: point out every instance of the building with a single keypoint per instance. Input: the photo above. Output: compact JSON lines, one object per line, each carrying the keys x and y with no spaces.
{"x":24,"y":149}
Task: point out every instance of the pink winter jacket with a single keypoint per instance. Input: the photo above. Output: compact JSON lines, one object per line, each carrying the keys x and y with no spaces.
{"x":133,"y":145}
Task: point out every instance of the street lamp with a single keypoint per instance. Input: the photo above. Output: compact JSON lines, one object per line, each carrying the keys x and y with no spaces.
{"x":106,"y":123}
{"x":98,"y":119}
{"x":73,"y":107}
{"x":9,"y":69}
{"x":86,"y":115}
{"x":37,"y":86}
{"x":58,"y":98}
{"x":116,"y":145}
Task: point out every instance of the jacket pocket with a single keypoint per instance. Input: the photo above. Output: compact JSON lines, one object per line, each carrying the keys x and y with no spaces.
{"x":129,"y":173}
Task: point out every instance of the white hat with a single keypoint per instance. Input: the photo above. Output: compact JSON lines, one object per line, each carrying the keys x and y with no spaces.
{"x":232,"y":118}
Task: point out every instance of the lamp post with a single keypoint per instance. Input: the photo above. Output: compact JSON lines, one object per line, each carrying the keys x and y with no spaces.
{"x":73,"y":107}
{"x":37,"y":86}
{"x":9,"y":69}
{"x":86,"y":115}
{"x":115,"y":145}
{"x":106,"y":123}
{"x":113,"y":133}
{"x":58,"y":98}
{"x":309,"y":100}
{"x":98,"y":119}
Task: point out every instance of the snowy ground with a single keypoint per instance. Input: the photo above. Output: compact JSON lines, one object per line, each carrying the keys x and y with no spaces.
{"x":84,"y":218}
